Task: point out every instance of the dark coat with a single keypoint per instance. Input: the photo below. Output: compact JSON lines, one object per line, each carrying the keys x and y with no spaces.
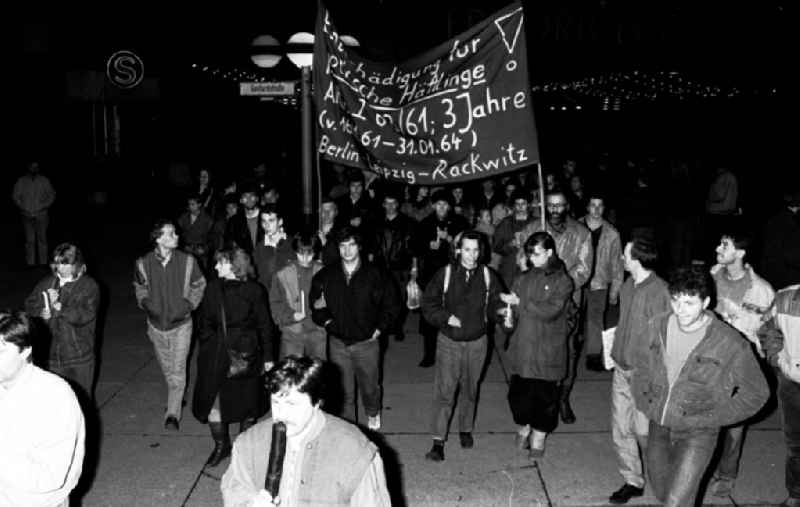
{"x":538,"y":347}
{"x":73,"y":327}
{"x":237,"y":233}
{"x":431,"y":261}
{"x":392,"y":244}
{"x":249,"y":330}
{"x":355,"y":308}
{"x":268,"y":260}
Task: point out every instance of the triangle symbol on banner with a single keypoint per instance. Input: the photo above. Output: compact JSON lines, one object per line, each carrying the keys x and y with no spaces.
{"x":516,"y":31}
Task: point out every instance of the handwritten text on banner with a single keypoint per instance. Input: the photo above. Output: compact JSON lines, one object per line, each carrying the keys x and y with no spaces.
{"x":457,"y":112}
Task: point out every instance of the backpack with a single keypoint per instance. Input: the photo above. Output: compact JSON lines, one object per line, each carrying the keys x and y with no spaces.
{"x":486,"y":278}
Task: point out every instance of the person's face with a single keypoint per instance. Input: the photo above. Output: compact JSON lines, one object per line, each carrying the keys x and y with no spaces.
{"x":230,"y":209}
{"x":356,"y":189}
{"x":294,"y":409}
{"x":423,"y":192}
{"x":271,"y":196}
{"x":168,"y":238}
{"x":458,"y":194}
{"x":224,"y":268}
{"x":271,"y":223}
{"x":627,"y":260}
{"x":485,"y":217}
{"x":390,"y":206}
{"x":569,"y":167}
{"x":596,"y":208}
{"x":65,"y":271}
{"x":488,"y":186}
{"x":576,"y":184}
{"x":727,"y":252}
{"x":540,"y":256}
{"x":249,"y":200}
{"x":520,"y":206}
{"x":349,"y":250}
{"x":688,"y":309}
{"x":550,"y":181}
{"x":33,"y":167}
{"x":194,"y":207}
{"x":441,"y":207}
{"x":204,"y":177}
{"x":556,"y":208}
{"x":11,"y":361}
{"x":510,"y":189}
{"x":470,"y":251}
{"x":304,"y":257}
{"x":328,"y":212}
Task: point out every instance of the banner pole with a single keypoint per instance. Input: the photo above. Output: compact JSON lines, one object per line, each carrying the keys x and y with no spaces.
{"x":541,"y":193}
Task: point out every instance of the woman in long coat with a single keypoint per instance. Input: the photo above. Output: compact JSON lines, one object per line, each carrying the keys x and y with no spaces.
{"x":218,"y":399}
{"x":538,"y":346}
{"x":68,"y":300}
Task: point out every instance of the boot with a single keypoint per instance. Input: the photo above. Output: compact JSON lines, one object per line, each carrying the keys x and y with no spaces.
{"x":246,"y":424}
{"x":222,"y":443}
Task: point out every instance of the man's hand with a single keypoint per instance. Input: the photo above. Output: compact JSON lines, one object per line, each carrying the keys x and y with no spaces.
{"x":298,"y":316}
{"x":434,"y":245}
{"x":264,"y":499}
{"x":268,"y":365}
{"x":52,"y":294}
{"x":613,"y":300}
{"x":376,"y":334}
{"x":46,"y":313}
{"x":355,"y":221}
{"x":454,"y":321}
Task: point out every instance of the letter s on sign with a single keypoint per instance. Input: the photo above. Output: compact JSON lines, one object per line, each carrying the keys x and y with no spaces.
{"x":125,"y":69}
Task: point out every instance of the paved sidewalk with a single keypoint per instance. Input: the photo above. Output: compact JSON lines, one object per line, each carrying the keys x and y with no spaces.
{"x":140,"y":464}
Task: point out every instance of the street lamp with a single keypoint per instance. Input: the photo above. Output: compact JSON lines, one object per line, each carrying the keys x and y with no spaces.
{"x":266,"y":53}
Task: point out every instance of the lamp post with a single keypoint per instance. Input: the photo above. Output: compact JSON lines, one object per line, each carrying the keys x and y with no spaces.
{"x":266,"y":53}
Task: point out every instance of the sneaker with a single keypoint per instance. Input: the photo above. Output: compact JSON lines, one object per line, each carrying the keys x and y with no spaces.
{"x":522,"y":442}
{"x":437,"y":451}
{"x":466,"y":440}
{"x":171,"y":423}
{"x":374,"y":422}
{"x":720,"y":486}
{"x":625,"y":493}
{"x":536,"y":453}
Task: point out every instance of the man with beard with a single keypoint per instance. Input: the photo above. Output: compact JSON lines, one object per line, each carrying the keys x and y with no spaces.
{"x":244,"y":229}
{"x":574,"y":248}
{"x":434,"y":238}
{"x":743,"y":299}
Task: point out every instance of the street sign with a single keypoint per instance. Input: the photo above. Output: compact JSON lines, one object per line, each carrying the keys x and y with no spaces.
{"x":268,"y":89}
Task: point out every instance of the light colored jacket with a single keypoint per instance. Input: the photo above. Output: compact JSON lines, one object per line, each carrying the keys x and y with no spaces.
{"x":33,"y":195}
{"x":749,"y":314}
{"x":608,"y":269}
{"x":284,"y":298}
{"x":786,"y":313}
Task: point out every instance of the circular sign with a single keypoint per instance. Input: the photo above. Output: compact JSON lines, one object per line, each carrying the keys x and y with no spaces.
{"x":125,"y":69}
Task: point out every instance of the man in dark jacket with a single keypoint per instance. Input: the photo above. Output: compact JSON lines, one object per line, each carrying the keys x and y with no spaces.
{"x":693,"y":374}
{"x":392,"y":250}
{"x":273,"y":250}
{"x":169,"y":286}
{"x":459,"y":301}
{"x":434,"y":237}
{"x":245,"y":229}
{"x":355,"y":302}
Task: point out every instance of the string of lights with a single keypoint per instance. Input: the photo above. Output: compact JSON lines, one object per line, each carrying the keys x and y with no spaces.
{"x":611,"y":90}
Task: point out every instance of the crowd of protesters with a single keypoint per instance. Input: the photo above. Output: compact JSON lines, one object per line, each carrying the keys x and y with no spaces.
{"x":700,"y":332}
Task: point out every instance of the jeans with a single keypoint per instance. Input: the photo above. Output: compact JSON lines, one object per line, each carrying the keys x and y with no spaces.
{"x":789,"y":399}
{"x":732,"y":440}
{"x":311,"y":343}
{"x":677,"y":460}
{"x":81,"y":375}
{"x":172,"y":350}
{"x":458,"y":364}
{"x":629,"y":428}
{"x":35,"y":239}
{"x":358,"y":363}
{"x":595,"y":308}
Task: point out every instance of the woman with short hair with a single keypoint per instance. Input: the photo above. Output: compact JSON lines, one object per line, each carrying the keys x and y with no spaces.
{"x":67,"y":300}
{"x":235,"y":329}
